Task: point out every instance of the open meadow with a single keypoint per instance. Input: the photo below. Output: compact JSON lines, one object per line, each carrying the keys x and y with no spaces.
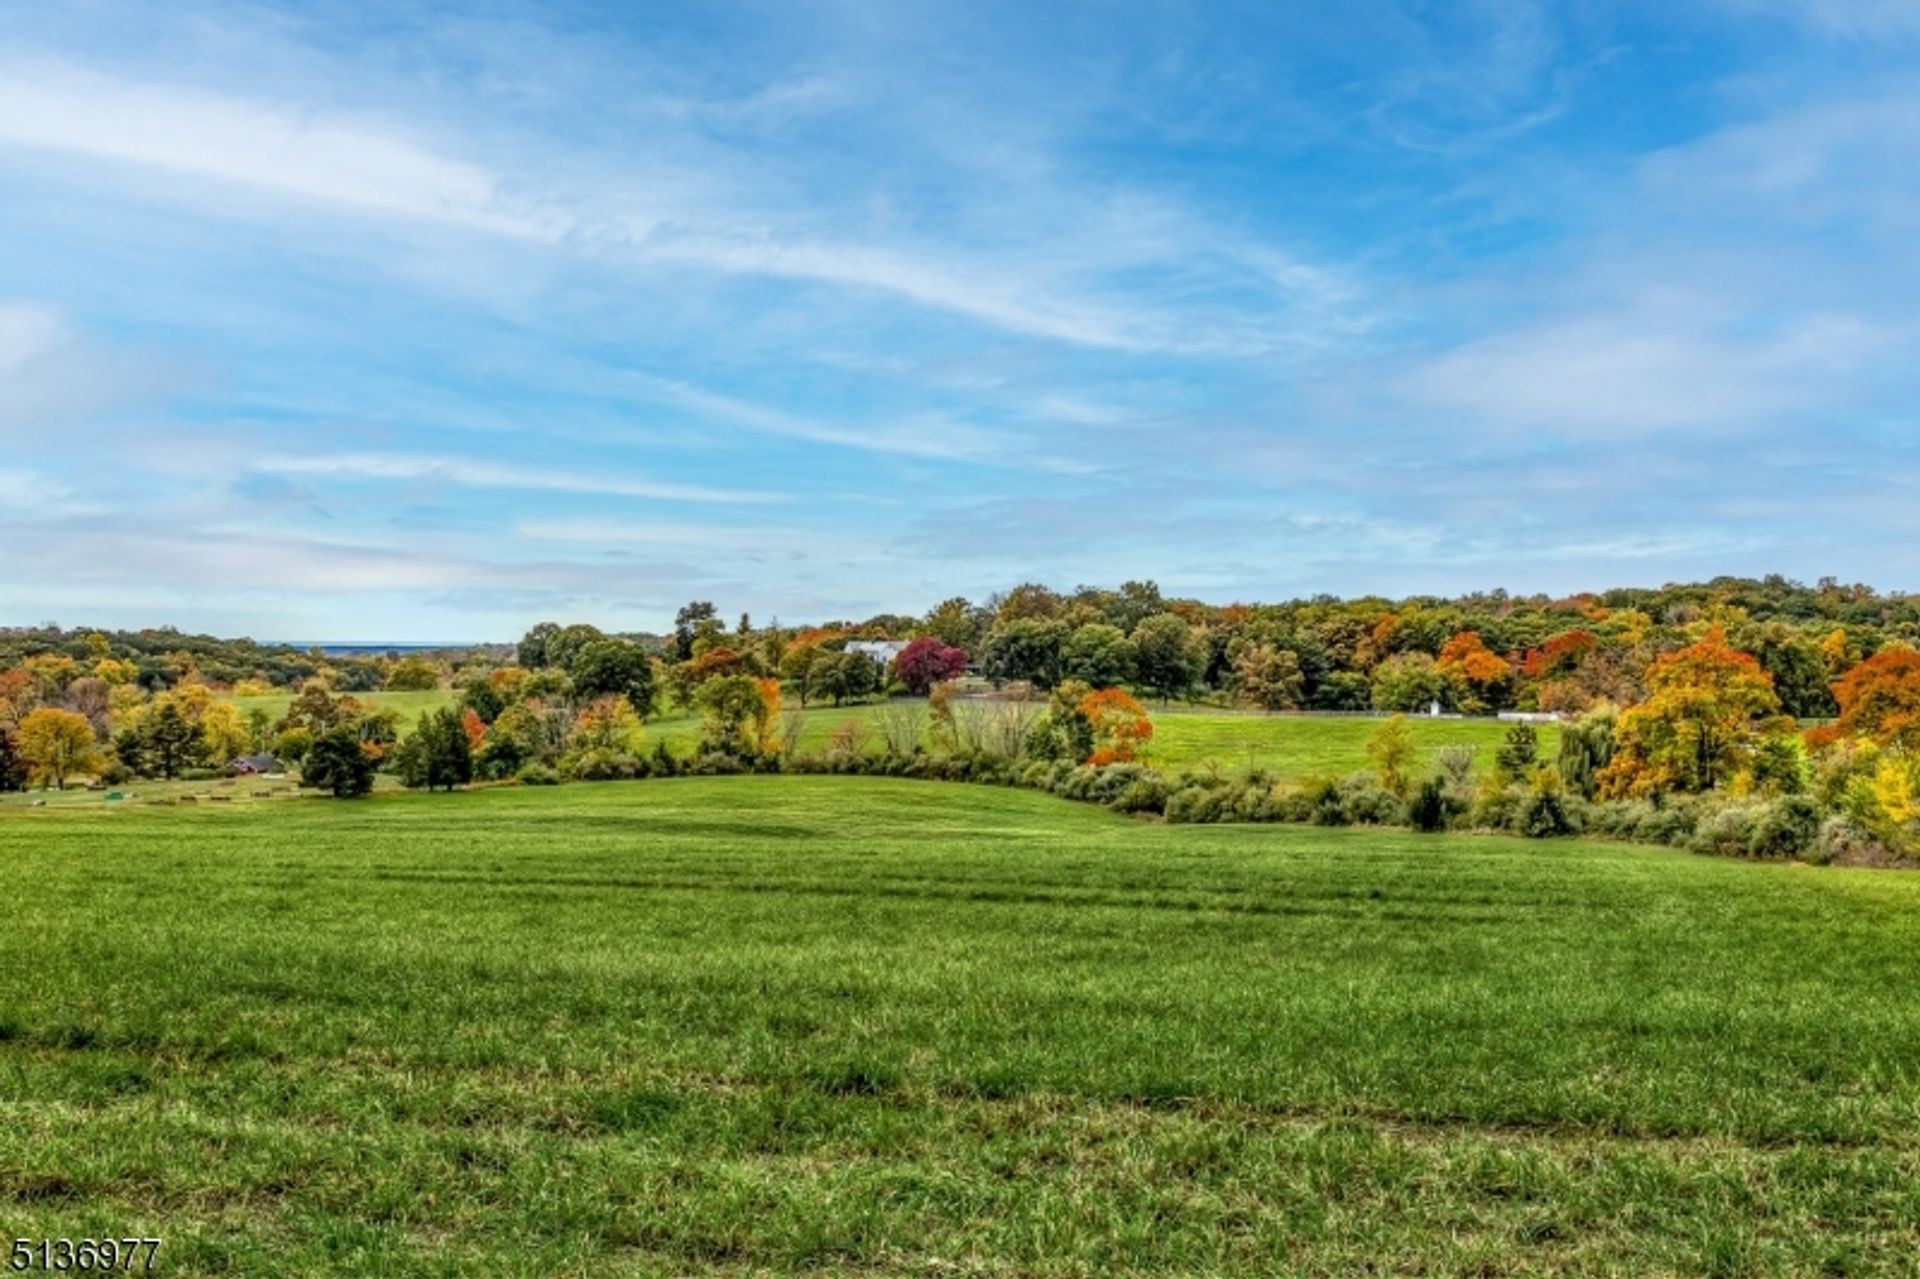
{"x":1288,"y":746}
{"x":837,"y":1025}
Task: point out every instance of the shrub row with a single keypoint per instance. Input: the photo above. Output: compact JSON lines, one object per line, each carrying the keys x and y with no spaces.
{"x":1788,"y":827}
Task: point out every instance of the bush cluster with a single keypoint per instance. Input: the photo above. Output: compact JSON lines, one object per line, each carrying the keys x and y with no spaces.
{"x":1785,"y":827}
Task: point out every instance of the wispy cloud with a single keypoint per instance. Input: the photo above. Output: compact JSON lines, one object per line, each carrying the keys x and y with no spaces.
{"x":267,"y":146}
{"x":476,"y":474}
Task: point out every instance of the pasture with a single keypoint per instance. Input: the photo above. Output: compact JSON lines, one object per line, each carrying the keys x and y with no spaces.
{"x":835,"y":1025}
{"x":1288,"y":746}
{"x":407,"y":705}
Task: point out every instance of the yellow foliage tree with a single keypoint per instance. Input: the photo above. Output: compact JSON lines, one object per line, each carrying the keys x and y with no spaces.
{"x":1707,"y":707}
{"x":57,"y":745}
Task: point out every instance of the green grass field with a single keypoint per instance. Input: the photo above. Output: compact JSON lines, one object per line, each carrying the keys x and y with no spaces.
{"x":849,"y":1026}
{"x":1289,"y":746}
{"x":407,"y":705}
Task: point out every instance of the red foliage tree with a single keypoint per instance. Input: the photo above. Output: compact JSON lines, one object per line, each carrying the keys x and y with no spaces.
{"x":475,"y":728}
{"x":926,"y":662}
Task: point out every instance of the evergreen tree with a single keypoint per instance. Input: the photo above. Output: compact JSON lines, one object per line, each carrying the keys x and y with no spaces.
{"x":170,"y":742}
{"x":13,"y":769}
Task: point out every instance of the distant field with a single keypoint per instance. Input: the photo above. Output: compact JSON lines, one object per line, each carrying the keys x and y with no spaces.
{"x":1299,"y":745}
{"x":837,"y":1026}
{"x":1289,"y":746}
{"x":408,"y":706}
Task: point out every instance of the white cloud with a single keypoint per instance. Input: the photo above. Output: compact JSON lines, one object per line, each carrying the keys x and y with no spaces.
{"x":356,"y":164}
{"x":1033,"y":282}
{"x":1853,"y":18}
{"x":479,"y":474}
{"x":1641,"y":369}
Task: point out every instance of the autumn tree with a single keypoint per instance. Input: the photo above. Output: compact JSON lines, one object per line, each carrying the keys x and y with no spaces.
{"x":1707,"y":707}
{"x":1485,"y":677}
{"x":1268,"y":677}
{"x":1391,"y":750}
{"x":223,"y":733}
{"x":717,"y":662}
{"x":926,"y":662}
{"x":1880,"y":700}
{"x":734,"y":714}
{"x":1120,"y":726}
{"x":413,"y":674}
{"x":57,"y":745}
{"x":607,"y":724}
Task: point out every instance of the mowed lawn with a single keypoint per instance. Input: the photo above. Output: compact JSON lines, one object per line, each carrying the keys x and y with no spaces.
{"x":851,"y":1026}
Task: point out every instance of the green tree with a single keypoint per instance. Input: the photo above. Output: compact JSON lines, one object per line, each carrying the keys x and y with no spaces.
{"x":843,"y":676}
{"x":1099,"y":656}
{"x":1519,"y":752}
{"x":795,"y":666}
{"x":614,"y":668}
{"x":732,"y":714}
{"x":565,"y":644}
{"x":1026,"y":648}
{"x":693,"y":624}
{"x":436,"y":755}
{"x":1586,"y":747}
{"x":169,"y":741}
{"x":1409,"y":682}
{"x":532,"y":650}
{"x":13,"y":769}
{"x":1168,"y":657}
{"x":337,"y":762}
{"x":1066,"y":731}
{"x":957,"y":622}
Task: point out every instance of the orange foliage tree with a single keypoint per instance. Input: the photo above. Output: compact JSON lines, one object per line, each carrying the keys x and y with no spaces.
{"x":767,"y":723}
{"x":1707,"y":707}
{"x":1120,"y":726}
{"x":1486,"y":674}
{"x":1880,"y":700}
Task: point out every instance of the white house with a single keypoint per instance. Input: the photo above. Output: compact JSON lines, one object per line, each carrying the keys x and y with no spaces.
{"x":881,"y":651}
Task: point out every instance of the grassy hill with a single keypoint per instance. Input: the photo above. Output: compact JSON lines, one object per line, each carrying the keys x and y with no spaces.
{"x":840,"y":1025}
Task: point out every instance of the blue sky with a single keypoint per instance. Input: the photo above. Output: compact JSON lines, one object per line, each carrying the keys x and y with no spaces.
{"x":340,"y":320}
